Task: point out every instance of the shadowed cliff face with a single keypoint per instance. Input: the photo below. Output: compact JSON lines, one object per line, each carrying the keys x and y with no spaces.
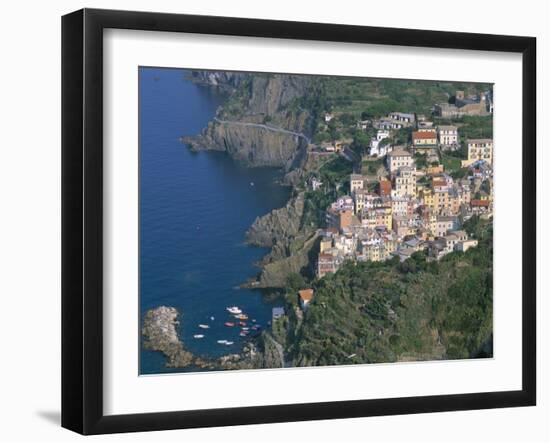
{"x":261,"y":122}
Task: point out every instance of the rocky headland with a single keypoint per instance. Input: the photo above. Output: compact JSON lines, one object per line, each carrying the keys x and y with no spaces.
{"x":261,"y":122}
{"x":264,"y":123}
{"x":160,"y":333}
{"x":291,"y":243}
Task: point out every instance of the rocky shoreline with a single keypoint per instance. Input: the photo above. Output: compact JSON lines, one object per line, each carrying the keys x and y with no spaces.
{"x":266,"y":132}
{"x":160,"y":334}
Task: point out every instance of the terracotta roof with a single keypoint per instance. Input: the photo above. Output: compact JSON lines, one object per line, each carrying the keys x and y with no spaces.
{"x":480,"y":203}
{"x":306,"y":294}
{"x":423,"y":135}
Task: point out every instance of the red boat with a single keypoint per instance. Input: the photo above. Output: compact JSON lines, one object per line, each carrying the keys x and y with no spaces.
{"x":229,"y":324}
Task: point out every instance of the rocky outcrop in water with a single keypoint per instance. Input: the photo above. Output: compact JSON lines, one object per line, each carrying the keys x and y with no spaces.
{"x":279,"y":224}
{"x":160,"y":334}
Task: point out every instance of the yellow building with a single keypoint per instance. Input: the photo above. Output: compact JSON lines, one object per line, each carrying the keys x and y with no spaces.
{"x":441,"y":201}
{"x":479,"y":149}
{"x":374,"y":218}
{"x":405,"y":182}
{"x":428,"y":197}
{"x":372,"y":252}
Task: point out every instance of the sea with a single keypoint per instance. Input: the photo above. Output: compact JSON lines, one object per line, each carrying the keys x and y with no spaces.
{"x":194,"y":210}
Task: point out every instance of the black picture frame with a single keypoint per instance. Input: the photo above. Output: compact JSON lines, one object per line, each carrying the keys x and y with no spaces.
{"x":82,"y":220}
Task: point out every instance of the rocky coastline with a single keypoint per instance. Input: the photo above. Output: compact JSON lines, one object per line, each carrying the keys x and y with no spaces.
{"x":259,"y":124}
{"x":262,"y":126}
{"x":160,"y":333}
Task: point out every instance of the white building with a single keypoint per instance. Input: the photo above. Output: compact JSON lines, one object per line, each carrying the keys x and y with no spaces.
{"x":399,"y":158}
{"x":448,"y":135}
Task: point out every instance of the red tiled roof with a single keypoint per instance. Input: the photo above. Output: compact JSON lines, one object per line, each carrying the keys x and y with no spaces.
{"x":423,"y":135}
{"x":480,"y":203}
{"x":306,"y":294}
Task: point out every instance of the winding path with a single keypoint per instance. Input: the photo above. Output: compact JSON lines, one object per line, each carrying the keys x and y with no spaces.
{"x":264,"y":126}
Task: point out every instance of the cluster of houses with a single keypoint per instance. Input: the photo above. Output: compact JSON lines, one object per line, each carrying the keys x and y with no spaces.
{"x":426,"y":137}
{"x":409,"y":210}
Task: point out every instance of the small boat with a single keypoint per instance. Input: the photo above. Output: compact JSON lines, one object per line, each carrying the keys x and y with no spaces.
{"x":228,"y":343}
{"x":253,"y":320}
{"x":243,"y":333}
{"x":242,"y":323}
{"x":202,"y":326}
{"x":241,"y":317}
{"x":245,"y":329}
{"x":256,"y":327}
{"x":229,"y":324}
{"x":212,"y":318}
{"x":198,"y":336}
{"x":251,"y":183}
{"x":234,"y":310}
{"x":222,"y":342}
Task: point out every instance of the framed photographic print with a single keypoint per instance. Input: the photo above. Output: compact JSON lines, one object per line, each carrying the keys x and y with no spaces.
{"x":270,"y":221}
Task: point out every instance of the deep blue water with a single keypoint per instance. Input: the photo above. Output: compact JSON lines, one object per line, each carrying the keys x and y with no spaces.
{"x":194,"y":211}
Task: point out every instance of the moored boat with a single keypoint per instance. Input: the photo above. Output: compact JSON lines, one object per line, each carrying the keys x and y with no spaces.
{"x":234,"y":310}
{"x":204,"y":326}
{"x":229,"y":324}
{"x":198,"y":336}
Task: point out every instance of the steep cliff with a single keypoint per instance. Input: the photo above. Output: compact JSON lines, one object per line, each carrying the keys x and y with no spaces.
{"x":291,"y":243}
{"x":282,"y":223}
{"x":261,"y":123}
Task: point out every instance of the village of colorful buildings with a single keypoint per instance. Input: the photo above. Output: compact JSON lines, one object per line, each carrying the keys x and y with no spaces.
{"x":410,"y":209}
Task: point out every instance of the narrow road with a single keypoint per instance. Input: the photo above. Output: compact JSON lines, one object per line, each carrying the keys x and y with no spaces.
{"x":264,"y":126}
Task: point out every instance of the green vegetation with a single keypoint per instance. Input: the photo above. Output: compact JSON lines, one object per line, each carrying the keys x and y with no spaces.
{"x":315,"y":205}
{"x":450,"y":162}
{"x":336,"y":171}
{"x":368,"y":97}
{"x":391,"y":311}
{"x":370,"y":167}
{"x":420,"y":161}
{"x":459,"y":173}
